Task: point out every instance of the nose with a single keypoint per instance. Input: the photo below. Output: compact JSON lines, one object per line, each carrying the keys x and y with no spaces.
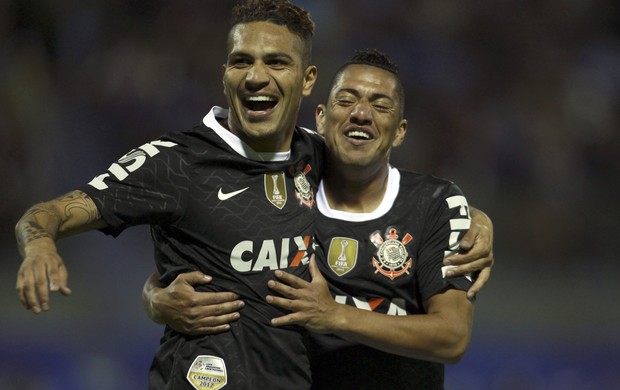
{"x":256,"y":77}
{"x":361,"y":114}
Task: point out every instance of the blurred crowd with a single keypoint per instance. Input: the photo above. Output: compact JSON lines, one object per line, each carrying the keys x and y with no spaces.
{"x":516,"y":101}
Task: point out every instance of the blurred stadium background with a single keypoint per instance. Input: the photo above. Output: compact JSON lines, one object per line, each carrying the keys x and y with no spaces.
{"x":518,"y":102}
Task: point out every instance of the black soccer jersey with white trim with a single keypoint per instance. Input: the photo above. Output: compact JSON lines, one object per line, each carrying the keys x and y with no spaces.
{"x":217,"y":206}
{"x":388,"y":261}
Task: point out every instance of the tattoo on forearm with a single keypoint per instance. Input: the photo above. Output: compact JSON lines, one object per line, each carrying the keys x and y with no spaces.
{"x":31,"y":231}
{"x":44,"y":220}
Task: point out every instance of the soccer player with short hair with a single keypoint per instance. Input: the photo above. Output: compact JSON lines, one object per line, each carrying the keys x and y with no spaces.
{"x":394,"y":318}
{"x":233,"y":197}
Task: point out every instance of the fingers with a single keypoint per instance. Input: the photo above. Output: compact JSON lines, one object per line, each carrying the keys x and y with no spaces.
{"x":206,"y":330}
{"x":280,"y":302}
{"x":32,"y":287}
{"x":467,"y":242}
{"x":220,"y":304}
{"x":37,"y":277}
{"x":223,"y":300}
{"x":282,"y":289}
{"x":212,"y":324}
{"x":482,"y":279}
{"x":291,"y":280}
{"x":315,"y":272}
{"x":194,"y":278}
{"x":26,"y":291}
{"x":481,"y":253}
{"x":289,"y":319}
{"x":58,"y":278}
{"x":468,"y":268}
{"x":204,"y":319}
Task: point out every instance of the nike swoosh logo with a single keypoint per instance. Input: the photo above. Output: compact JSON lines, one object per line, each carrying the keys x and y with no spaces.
{"x":223,"y":196}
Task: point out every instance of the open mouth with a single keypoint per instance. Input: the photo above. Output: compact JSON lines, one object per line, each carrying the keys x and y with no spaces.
{"x":358,"y":134}
{"x":260,"y":103}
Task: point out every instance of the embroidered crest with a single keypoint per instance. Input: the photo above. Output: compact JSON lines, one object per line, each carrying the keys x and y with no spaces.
{"x":394,"y":260}
{"x":342,"y":255}
{"x":275,"y":189}
{"x":207,"y":372}
{"x":303,"y":189}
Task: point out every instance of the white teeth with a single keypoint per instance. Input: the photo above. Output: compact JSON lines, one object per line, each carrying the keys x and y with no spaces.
{"x":261,"y":99}
{"x":359,"y":134}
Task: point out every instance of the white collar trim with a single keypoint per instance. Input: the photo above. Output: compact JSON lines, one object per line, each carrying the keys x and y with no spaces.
{"x":391,"y":192}
{"x":210,"y":120}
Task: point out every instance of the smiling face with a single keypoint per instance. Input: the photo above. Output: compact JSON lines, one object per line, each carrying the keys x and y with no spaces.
{"x":362,"y":120}
{"x":265,"y":78}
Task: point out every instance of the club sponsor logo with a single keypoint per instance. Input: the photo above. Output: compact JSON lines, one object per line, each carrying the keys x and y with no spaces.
{"x":207,"y":372}
{"x":251,"y":256}
{"x":342,"y":255}
{"x":392,"y":258}
{"x":275,"y":188}
{"x":130,"y":162}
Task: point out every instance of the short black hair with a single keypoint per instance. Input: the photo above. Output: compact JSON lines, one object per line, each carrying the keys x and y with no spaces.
{"x":376,"y":58}
{"x":280,"y":12}
{"x":373,"y":57}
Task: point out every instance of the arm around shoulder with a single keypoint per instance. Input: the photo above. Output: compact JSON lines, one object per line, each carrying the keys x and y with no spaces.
{"x":441,"y":335}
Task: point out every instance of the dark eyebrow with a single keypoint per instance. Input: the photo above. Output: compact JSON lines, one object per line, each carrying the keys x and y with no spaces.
{"x":268,"y":56}
{"x":373,"y":97}
{"x":271,"y":56}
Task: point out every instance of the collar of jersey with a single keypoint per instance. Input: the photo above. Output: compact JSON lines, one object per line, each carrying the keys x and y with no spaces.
{"x":391,"y":192}
{"x":211,"y":121}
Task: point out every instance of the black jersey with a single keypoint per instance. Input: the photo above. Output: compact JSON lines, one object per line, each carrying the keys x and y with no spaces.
{"x":217,"y":206}
{"x":388,"y":261}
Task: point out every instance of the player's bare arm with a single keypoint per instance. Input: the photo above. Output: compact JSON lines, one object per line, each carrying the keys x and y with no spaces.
{"x":441,"y":335}
{"x":186,"y":310}
{"x":476,"y":253}
{"x":42,"y":270}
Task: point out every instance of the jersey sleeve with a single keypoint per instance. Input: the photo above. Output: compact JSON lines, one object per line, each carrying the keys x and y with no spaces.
{"x":146,"y":186}
{"x":448,"y":219}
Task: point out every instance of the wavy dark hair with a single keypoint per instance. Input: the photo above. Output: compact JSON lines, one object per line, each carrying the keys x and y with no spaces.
{"x":280,"y":12}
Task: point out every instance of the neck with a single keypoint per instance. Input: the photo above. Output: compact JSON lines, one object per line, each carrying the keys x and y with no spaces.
{"x":279,"y":142}
{"x":355,"y":189}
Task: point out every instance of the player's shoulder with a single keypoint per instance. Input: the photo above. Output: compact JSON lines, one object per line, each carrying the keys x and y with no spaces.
{"x":310,"y":135}
{"x":197,"y":138}
{"x":435,"y":186}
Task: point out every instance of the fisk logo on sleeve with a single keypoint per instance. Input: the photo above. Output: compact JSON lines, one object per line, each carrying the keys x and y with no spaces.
{"x":130,"y":162}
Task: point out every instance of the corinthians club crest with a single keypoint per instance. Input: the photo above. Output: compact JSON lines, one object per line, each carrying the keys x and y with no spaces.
{"x":394,"y":260}
{"x":303,"y":189}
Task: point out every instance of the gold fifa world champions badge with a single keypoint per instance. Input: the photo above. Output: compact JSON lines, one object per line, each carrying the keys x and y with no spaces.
{"x":275,"y":189}
{"x":393,"y":258}
{"x":342,"y":255}
{"x":207,"y":372}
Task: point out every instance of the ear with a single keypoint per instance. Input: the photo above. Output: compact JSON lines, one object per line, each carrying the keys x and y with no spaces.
{"x":319,"y":116}
{"x":400,"y":133}
{"x":223,"y":73}
{"x":310,"y":76}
